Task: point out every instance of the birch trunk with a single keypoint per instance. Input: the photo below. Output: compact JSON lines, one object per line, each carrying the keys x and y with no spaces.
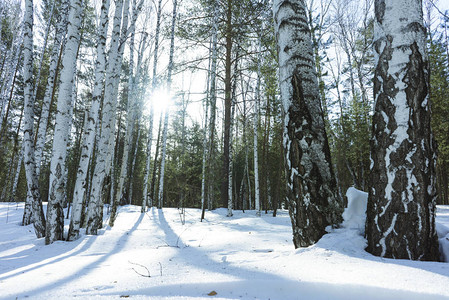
{"x":312,"y":191}
{"x":56,"y":193}
{"x":90,"y":127}
{"x":164,"y":136}
{"x":230,"y":194}
{"x":146,"y":175}
{"x":44,"y":47}
{"x":402,"y":193}
{"x":145,"y":197}
{"x":51,"y":86}
{"x":103,"y":157}
{"x":256,"y":134}
{"x":112,"y":155}
{"x":34,"y":198}
{"x":206,"y":113}
{"x":131,"y":105}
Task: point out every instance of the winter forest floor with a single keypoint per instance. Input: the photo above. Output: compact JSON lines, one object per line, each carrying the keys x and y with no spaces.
{"x":155,"y":256}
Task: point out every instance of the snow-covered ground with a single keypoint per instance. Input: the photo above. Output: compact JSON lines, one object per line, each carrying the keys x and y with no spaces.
{"x":155,"y":256}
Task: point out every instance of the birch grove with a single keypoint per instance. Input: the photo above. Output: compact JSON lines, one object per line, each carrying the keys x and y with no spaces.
{"x":276,"y":114}
{"x":55,"y":214}
{"x":169,"y":81}
{"x":103,"y":155}
{"x":91,"y":126}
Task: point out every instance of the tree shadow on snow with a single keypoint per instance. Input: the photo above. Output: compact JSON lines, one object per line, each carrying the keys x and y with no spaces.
{"x":255,"y":284}
{"x":102,"y":257}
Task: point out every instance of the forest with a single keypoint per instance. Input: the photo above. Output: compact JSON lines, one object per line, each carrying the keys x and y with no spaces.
{"x":188,"y":104}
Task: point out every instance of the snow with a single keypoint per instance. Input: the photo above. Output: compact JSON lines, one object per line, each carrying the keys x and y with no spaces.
{"x":354,"y":215}
{"x":243,"y":257}
{"x":442,"y":227}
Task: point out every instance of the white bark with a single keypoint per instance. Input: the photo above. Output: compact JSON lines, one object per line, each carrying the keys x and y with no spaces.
{"x":49,"y":90}
{"x":256,"y":126}
{"x":44,"y":47}
{"x":55,"y":214}
{"x":151,"y":118}
{"x":28,"y":143}
{"x":402,"y":194}
{"x":111,"y":151}
{"x":164,"y":135}
{"x":103,"y":157}
{"x":230,"y":194}
{"x":312,"y":190}
{"x":131,"y":105}
{"x":147,"y":164}
{"x":206,"y":114}
{"x":90,"y":126}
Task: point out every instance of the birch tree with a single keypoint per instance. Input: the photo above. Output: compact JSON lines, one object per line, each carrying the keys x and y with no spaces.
{"x":50,"y":87}
{"x":312,"y":191}
{"x":33,"y":197}
{"x":402,"y":193}
{"x":91,"y":125}
{"x":151,"y":117}
{"x":256,"y":128}
{"x":205,"y":127}
{"x":55,"y":213}
{"x":103,"y":157}
{"x":169,"y":79}
{"x":131,"y":105}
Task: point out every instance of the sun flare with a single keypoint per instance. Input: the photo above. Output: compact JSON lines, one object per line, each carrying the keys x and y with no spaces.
{"x":160,"y":100}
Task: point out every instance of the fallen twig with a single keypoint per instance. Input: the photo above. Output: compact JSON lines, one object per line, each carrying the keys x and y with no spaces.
{"x":143,"y":275}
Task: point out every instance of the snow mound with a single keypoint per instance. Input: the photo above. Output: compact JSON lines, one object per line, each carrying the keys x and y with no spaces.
{"x":354,"y":215}
{"x":442,"y":227}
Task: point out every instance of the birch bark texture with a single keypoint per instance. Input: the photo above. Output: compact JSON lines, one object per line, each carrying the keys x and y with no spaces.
{"x":33,"y":196}
{"x":103,"y":157}
{"x":311,"y":190}
{"x":50,"y":88}
{"x":145,"y":197}
{"x":167,"y":109}
{"x":57,"y":190}
{"x":90,"y":127}
{"x":402,"y":192}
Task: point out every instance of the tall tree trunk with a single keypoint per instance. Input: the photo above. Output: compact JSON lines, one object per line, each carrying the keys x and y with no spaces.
{"x":131,"y":105}
{"x":402,"y":194}
{"x":164,"y":136}
{"x":104,"y":153}
{"x":205,"y":127}
{"x":312,"y":191}
{"x":231,"y":128}
{"x":151,"y":119}
{"x":38,"y":218}
{"x":56,"y":56}
{"x":146,"y":173}
{"x":56,"y":193}
{"x":256,"y":133}
{"x":227,"y":106}
{"x":90,"y":128}
{"x":113,"y":155}
{"x":156,"y":155}
{"x":213,"y":101}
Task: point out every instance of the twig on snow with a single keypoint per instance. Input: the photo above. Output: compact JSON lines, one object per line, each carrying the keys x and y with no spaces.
{"x":143,"y":275}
